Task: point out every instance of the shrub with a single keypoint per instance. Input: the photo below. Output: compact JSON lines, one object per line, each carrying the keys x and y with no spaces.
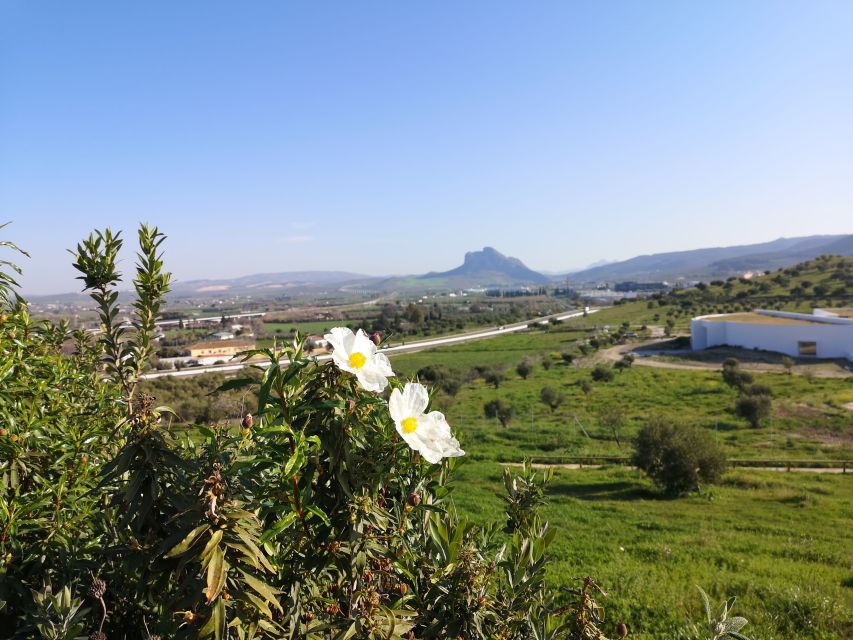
{"x":678,"y":458}
{"x":500,"y":409}
{"x":734,"y":376}
{"x":754,"y":408}
{"x":494,"y":377}
{"x":523,"y":369}
{"x":442,"y":377}
{"x":602,"y":373}
{"x":758,"y":390}
{"x":551,"y":398}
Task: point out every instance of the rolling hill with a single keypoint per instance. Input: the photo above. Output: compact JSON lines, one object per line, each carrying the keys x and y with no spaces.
{"x":718,"y":262}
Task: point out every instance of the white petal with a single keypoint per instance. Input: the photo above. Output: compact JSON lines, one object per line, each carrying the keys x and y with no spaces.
{"x":396,"y":408}
{"x":435,"y":432}
{"x":416,"y":399}
{"x":380,"y":361}
{"x":363,"y":344}
{"x":431,"y":455}
{"x":341,"y":339}
{"x":370,"y":379}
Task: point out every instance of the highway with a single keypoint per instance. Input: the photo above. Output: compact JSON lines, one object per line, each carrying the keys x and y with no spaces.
{"x":401,"y":348}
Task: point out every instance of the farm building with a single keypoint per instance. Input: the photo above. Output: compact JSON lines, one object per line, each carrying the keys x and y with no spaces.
{"x":827,"y":333}
{"x":212,"y":351}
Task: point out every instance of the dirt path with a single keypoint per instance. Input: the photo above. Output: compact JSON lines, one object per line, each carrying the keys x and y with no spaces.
{"x":613,"y":354}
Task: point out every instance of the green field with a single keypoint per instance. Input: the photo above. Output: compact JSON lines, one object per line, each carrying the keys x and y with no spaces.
{"x":318,"y":327}
{"x":808,"y":421}
{"x":780,"y":542}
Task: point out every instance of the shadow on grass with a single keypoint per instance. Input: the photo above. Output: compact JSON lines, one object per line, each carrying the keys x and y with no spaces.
{"x":598,"y":491}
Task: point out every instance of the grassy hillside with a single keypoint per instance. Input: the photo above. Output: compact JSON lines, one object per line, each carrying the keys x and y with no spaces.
{"x":809,"y":419}
{"x":780,"y":542}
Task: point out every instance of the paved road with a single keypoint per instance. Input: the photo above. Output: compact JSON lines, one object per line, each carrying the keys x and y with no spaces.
{"x":402,"y":348}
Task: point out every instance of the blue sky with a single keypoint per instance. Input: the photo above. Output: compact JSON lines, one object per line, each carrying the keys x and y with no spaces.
{"x":389,"y":137}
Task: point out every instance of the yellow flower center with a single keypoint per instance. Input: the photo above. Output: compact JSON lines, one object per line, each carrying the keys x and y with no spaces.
{"x":409,"y":425}
{"x":357,"y":360}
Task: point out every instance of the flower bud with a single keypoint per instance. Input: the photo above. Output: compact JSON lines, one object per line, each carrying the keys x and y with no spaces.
{"x":376,"y":338}
{"x":621,"y":629}
{"x":414,"y":499}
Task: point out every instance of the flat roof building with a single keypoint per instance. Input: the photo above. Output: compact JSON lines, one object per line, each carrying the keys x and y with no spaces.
{"x":822,"y":334}
{"x":212,"y":351}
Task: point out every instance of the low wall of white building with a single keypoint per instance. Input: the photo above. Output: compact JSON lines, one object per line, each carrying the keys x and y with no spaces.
{"x":833,"y":340}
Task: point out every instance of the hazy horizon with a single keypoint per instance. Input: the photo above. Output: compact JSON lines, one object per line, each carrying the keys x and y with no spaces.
{"x":391,"y":139}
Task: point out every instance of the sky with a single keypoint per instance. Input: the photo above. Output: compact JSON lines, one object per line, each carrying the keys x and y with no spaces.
{"x":392,"y":137}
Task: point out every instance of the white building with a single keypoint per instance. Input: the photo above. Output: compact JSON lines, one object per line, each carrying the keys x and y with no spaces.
{"x":825,"y":334}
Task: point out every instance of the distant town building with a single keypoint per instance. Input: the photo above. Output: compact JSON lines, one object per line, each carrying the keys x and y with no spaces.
{"x":213,"y":351}
{"x":826,"y":333}
{"x":220,"y":335}
{"x":317,"y":342}
{"x":650,"y":287}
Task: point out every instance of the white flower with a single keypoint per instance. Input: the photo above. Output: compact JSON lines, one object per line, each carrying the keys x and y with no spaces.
{"x":427,"y":433}
{"x":356,"y":353}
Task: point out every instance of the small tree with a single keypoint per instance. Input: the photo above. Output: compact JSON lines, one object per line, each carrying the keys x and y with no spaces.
{"x":524,"y":369}
{"x":551,"y":398}
{"x":602,"y":373}
{"x":494,"y":377}
{"x":788,"y":363}
{"x":567,"y":357}
{"x":500,"y":409}
{"x":754,"y":408}
{"x":585,"y":387}
{"x":546,"y":363}
{"x":626,"y":362}
{"x":734,"y":376}
{"x":678,"y":457}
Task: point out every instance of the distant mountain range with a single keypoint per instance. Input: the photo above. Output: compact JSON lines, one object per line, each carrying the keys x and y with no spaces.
{"x":267,"y":282}
{"x":718,"y":262}
{"x":489,"y":268}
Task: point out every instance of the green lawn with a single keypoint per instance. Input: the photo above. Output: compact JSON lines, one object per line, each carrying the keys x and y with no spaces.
{"x":780,"y":542}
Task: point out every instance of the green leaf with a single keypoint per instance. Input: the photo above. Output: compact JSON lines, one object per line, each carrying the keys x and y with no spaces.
{"x":187,"y":542}
{"x":264,"y":590}
{"x":212,"y":544}
{"x":278,"y":527}
{"x":259,"y":555}
{"x":234,"y":383}
{"x":317,"y":511}
{"x":217,"y":572}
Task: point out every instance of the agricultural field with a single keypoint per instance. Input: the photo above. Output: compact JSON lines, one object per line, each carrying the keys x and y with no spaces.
{"x":305,"y":328}
{"x":780,"y":542}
